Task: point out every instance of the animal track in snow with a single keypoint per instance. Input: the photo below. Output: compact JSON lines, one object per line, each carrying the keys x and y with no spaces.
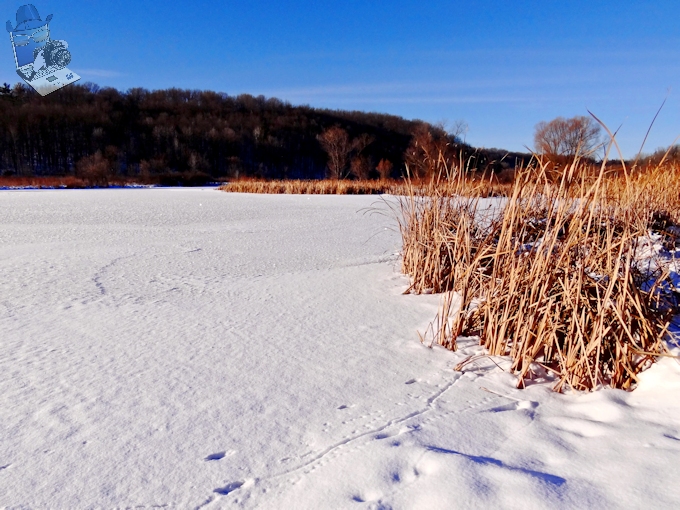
{"x":101,"y":272}
{"x":230,"y":487}
{"x":314,"y":460}
{"x":220,"y":455}
{"x":367,"y":496}
{"x":358,"y":435}
{"x":387,"y":434}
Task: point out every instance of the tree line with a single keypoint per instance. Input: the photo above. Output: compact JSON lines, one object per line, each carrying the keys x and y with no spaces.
{"x":103,"y":132}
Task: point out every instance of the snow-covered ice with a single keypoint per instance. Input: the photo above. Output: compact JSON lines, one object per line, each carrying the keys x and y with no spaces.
{"x":191,"y":348}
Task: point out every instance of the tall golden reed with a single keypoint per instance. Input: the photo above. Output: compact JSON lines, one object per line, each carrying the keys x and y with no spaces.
{"x":550,"y":277}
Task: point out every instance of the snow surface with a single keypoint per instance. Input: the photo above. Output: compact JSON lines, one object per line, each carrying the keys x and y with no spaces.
{"x":191,"y":348}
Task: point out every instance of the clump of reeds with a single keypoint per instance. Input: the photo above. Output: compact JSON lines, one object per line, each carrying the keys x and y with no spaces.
{"x":316,"y":187}
{"x":479,"y":187}
{"x":440,"y":232}
{"x":552,"y":279}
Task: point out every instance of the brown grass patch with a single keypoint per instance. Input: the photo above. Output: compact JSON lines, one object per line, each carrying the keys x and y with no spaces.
{"x":316,"y":187}
{"x":474,"y":185}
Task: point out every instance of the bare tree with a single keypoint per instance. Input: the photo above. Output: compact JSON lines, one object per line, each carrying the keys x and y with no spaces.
{"x":335,"y":141}
{"x":360,"y":167}
{"x":95,"y":169}
{"x":456,"y":130}
{"x":384,"y":168}
{"x":361,"y":142}
{"x":567,"y":138}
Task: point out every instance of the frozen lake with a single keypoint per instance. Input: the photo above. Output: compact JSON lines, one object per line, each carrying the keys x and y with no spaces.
{"x":188,"y":348}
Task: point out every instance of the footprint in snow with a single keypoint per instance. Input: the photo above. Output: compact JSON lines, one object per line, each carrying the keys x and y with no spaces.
{"x":370,"y":495}
{"x":385,"y":434}
{"x":220,"y":455}
{"x":229,"y":488}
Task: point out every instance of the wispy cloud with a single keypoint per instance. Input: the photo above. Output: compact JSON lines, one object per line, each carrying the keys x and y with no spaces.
{"x":462,"y":99}
{"x":590,"y":52}
{"x":501,"y":90}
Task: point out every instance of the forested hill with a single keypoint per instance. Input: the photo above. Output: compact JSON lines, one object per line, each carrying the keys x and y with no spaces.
{"x":141,"y":132}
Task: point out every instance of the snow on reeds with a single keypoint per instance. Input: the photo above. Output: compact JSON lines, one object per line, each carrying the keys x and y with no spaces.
{"x":549,"y":277}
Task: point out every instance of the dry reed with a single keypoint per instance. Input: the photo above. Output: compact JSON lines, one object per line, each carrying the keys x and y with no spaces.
{"x":316,"y":187}
{"x":550,"y":278}
{"x":479,"y":187}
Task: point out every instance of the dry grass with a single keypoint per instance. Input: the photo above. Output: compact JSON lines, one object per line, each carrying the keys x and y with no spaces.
{"x":481,"y":187}
{"x":316,"y":187}
{"x":550,"y":278}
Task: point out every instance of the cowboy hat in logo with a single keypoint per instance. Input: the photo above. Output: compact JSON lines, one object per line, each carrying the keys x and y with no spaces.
{"x":40,"y":61}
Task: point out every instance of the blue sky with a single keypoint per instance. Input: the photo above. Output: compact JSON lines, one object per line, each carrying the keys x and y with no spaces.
{"x":500,"y":66}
